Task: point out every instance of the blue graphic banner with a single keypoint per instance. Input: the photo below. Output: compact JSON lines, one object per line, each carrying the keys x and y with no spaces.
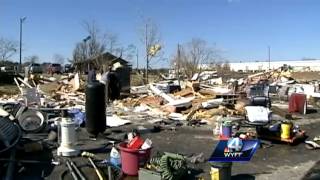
{"x":234,"y":149}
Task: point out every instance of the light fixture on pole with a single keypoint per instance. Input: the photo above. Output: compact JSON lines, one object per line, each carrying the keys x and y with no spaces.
{"x":20,"y":57}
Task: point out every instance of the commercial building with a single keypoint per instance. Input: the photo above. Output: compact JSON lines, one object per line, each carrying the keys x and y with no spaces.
{"x":299,"y":65}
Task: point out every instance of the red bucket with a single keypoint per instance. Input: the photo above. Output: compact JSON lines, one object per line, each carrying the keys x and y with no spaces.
{"x":131,"y":159}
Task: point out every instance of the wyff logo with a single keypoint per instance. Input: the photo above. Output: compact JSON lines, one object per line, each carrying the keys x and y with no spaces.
{"x":234,"y":149}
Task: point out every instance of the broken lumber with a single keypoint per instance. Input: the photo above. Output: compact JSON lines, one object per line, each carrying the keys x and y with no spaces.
{"x":194,"y":85}
{"x":160,"y":93}
{"x":25,"y":83}
{"x":76,"y":84}
{"x":184,"y":92}
{"x":192,"y":112}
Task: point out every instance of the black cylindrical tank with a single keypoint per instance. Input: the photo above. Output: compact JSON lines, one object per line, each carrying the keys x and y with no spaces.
{"x":95,"y":108}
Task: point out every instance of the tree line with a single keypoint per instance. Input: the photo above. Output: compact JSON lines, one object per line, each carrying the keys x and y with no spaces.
{"x":188,"y":59}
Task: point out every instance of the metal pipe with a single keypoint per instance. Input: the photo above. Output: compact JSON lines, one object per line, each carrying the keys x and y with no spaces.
{"x":109,"y":173}
{"x":10,"y":169}
{"x":96,"y":169}
{"x":77,"y":170}
{"x":71,"y":171}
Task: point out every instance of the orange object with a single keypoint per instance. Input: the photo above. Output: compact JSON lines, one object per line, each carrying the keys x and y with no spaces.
{"x":135,"y":143}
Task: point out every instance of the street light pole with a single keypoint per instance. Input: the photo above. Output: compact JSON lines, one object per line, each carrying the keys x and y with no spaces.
{"x":137,"y":55}
{"x":86,"y":50}
{"x":20,"y":57}
{"x":269,"y":56}
{"x":178,"y":64}
{"x":147,"y":55}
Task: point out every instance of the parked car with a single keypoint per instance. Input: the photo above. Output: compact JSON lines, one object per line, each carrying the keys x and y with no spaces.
{"x":8,"y":69}
{"x":35,"y":68}
{"x":55,"y":69}
{"x":68,"y":68}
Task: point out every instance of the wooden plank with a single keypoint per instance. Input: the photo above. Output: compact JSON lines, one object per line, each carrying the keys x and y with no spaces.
{"x":184,"y":92}
{"x":25,"y":83}
{"x":160,"y":93}
{"x":192,"y":112}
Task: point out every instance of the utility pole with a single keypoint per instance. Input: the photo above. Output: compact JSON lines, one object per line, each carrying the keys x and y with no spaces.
{"x":269,"y":56}
{"x":137,"y":56}
{"x":178,"y":64}
{"x":20,"y":53}
{"x":147,"y":53}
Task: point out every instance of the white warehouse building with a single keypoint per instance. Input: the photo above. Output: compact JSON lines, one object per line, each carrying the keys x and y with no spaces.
{"x":301,"y":65}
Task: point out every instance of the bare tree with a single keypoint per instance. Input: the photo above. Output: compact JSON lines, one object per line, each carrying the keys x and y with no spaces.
{"x":92,"y":46}
{"x":7,"y":49}
{"x":32,"y":59}
{"x":79,"y":53}
{"x":151,"y":40}
{"x":194,"y":55}
{"x":226,"y":67}
{"x":112,"y":43}
{"x":130,"y":53}
{"x":58,"y":58}
{"x":96,"y":44}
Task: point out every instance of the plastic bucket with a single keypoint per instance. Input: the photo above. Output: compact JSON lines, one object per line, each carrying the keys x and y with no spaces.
{"x":286,"y":130}
{"x":226,"y":130}
{"x":221,"y":170}
{"x":131,"y":159}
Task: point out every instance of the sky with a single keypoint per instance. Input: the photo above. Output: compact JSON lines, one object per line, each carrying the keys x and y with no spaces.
{"x":241,"y":29}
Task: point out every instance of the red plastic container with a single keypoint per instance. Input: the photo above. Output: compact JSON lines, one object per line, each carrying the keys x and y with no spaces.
{"x":131,"y":159}
{"x":135,"y":143}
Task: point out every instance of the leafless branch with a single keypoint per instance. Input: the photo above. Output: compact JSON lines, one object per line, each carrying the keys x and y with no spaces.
{"x":7,"y":48}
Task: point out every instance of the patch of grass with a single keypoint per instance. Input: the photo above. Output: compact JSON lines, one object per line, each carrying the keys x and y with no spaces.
{"x":8,"y":89}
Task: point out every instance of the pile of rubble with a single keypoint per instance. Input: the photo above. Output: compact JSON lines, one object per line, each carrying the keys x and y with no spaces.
{"x":191,"y":100}
{"x":205,"y":99}
{"x":67,"y":92}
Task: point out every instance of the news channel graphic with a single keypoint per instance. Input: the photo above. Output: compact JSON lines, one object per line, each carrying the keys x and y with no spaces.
{"x":234,"y":149}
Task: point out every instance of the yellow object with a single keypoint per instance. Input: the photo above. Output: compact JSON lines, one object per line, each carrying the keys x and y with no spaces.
{"x":154,"y":49}
{"x":87,"y":154}
{"x":286,"y":130}
{"x":214,"y":173}
{"x":96,"y":169}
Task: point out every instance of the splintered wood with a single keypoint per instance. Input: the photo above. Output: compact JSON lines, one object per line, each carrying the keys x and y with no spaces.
{"x":187,"y":92}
